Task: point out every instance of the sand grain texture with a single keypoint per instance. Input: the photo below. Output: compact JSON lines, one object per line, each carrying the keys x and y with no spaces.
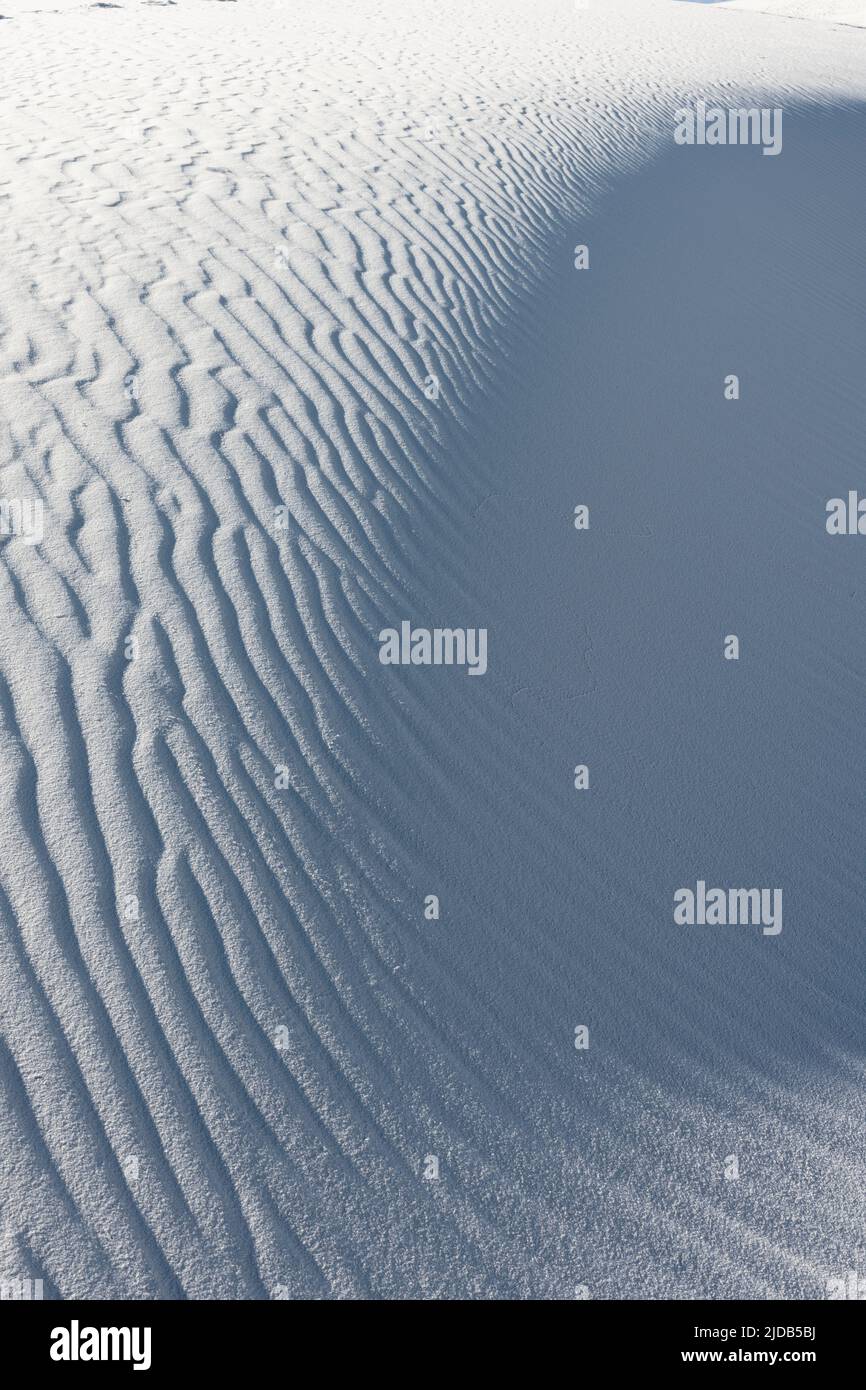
{"x":235,"y":242}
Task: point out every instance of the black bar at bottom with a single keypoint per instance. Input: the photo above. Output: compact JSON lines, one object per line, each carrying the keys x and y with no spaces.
{"x":162,"y":1340}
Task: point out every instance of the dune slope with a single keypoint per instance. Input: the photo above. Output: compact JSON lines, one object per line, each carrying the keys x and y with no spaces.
{"x":292,"y":349}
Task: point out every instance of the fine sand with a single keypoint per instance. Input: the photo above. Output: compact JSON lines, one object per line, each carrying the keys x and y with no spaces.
{"x":292,"y":349}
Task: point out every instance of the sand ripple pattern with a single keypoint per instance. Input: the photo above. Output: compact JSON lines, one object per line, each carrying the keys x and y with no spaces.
{"x":237,"y":241}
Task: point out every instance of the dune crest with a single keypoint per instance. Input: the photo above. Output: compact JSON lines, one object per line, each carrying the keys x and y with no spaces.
{"x":274,"y":288}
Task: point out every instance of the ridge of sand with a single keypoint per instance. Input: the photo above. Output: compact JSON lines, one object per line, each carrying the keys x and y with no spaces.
{"x":237,"y":240}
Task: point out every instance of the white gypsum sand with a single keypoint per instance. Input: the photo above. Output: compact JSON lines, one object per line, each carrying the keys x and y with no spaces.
{"x":239,"y":241}
{"x":819,"y":11}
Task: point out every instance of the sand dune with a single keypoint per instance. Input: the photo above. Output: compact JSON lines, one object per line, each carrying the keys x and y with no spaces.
{"x":819,"y":11}
{"x":292,"y":349}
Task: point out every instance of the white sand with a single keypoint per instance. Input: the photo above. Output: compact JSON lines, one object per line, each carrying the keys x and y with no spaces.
{"x":818,"y":11}
{"x":236,"y":240}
